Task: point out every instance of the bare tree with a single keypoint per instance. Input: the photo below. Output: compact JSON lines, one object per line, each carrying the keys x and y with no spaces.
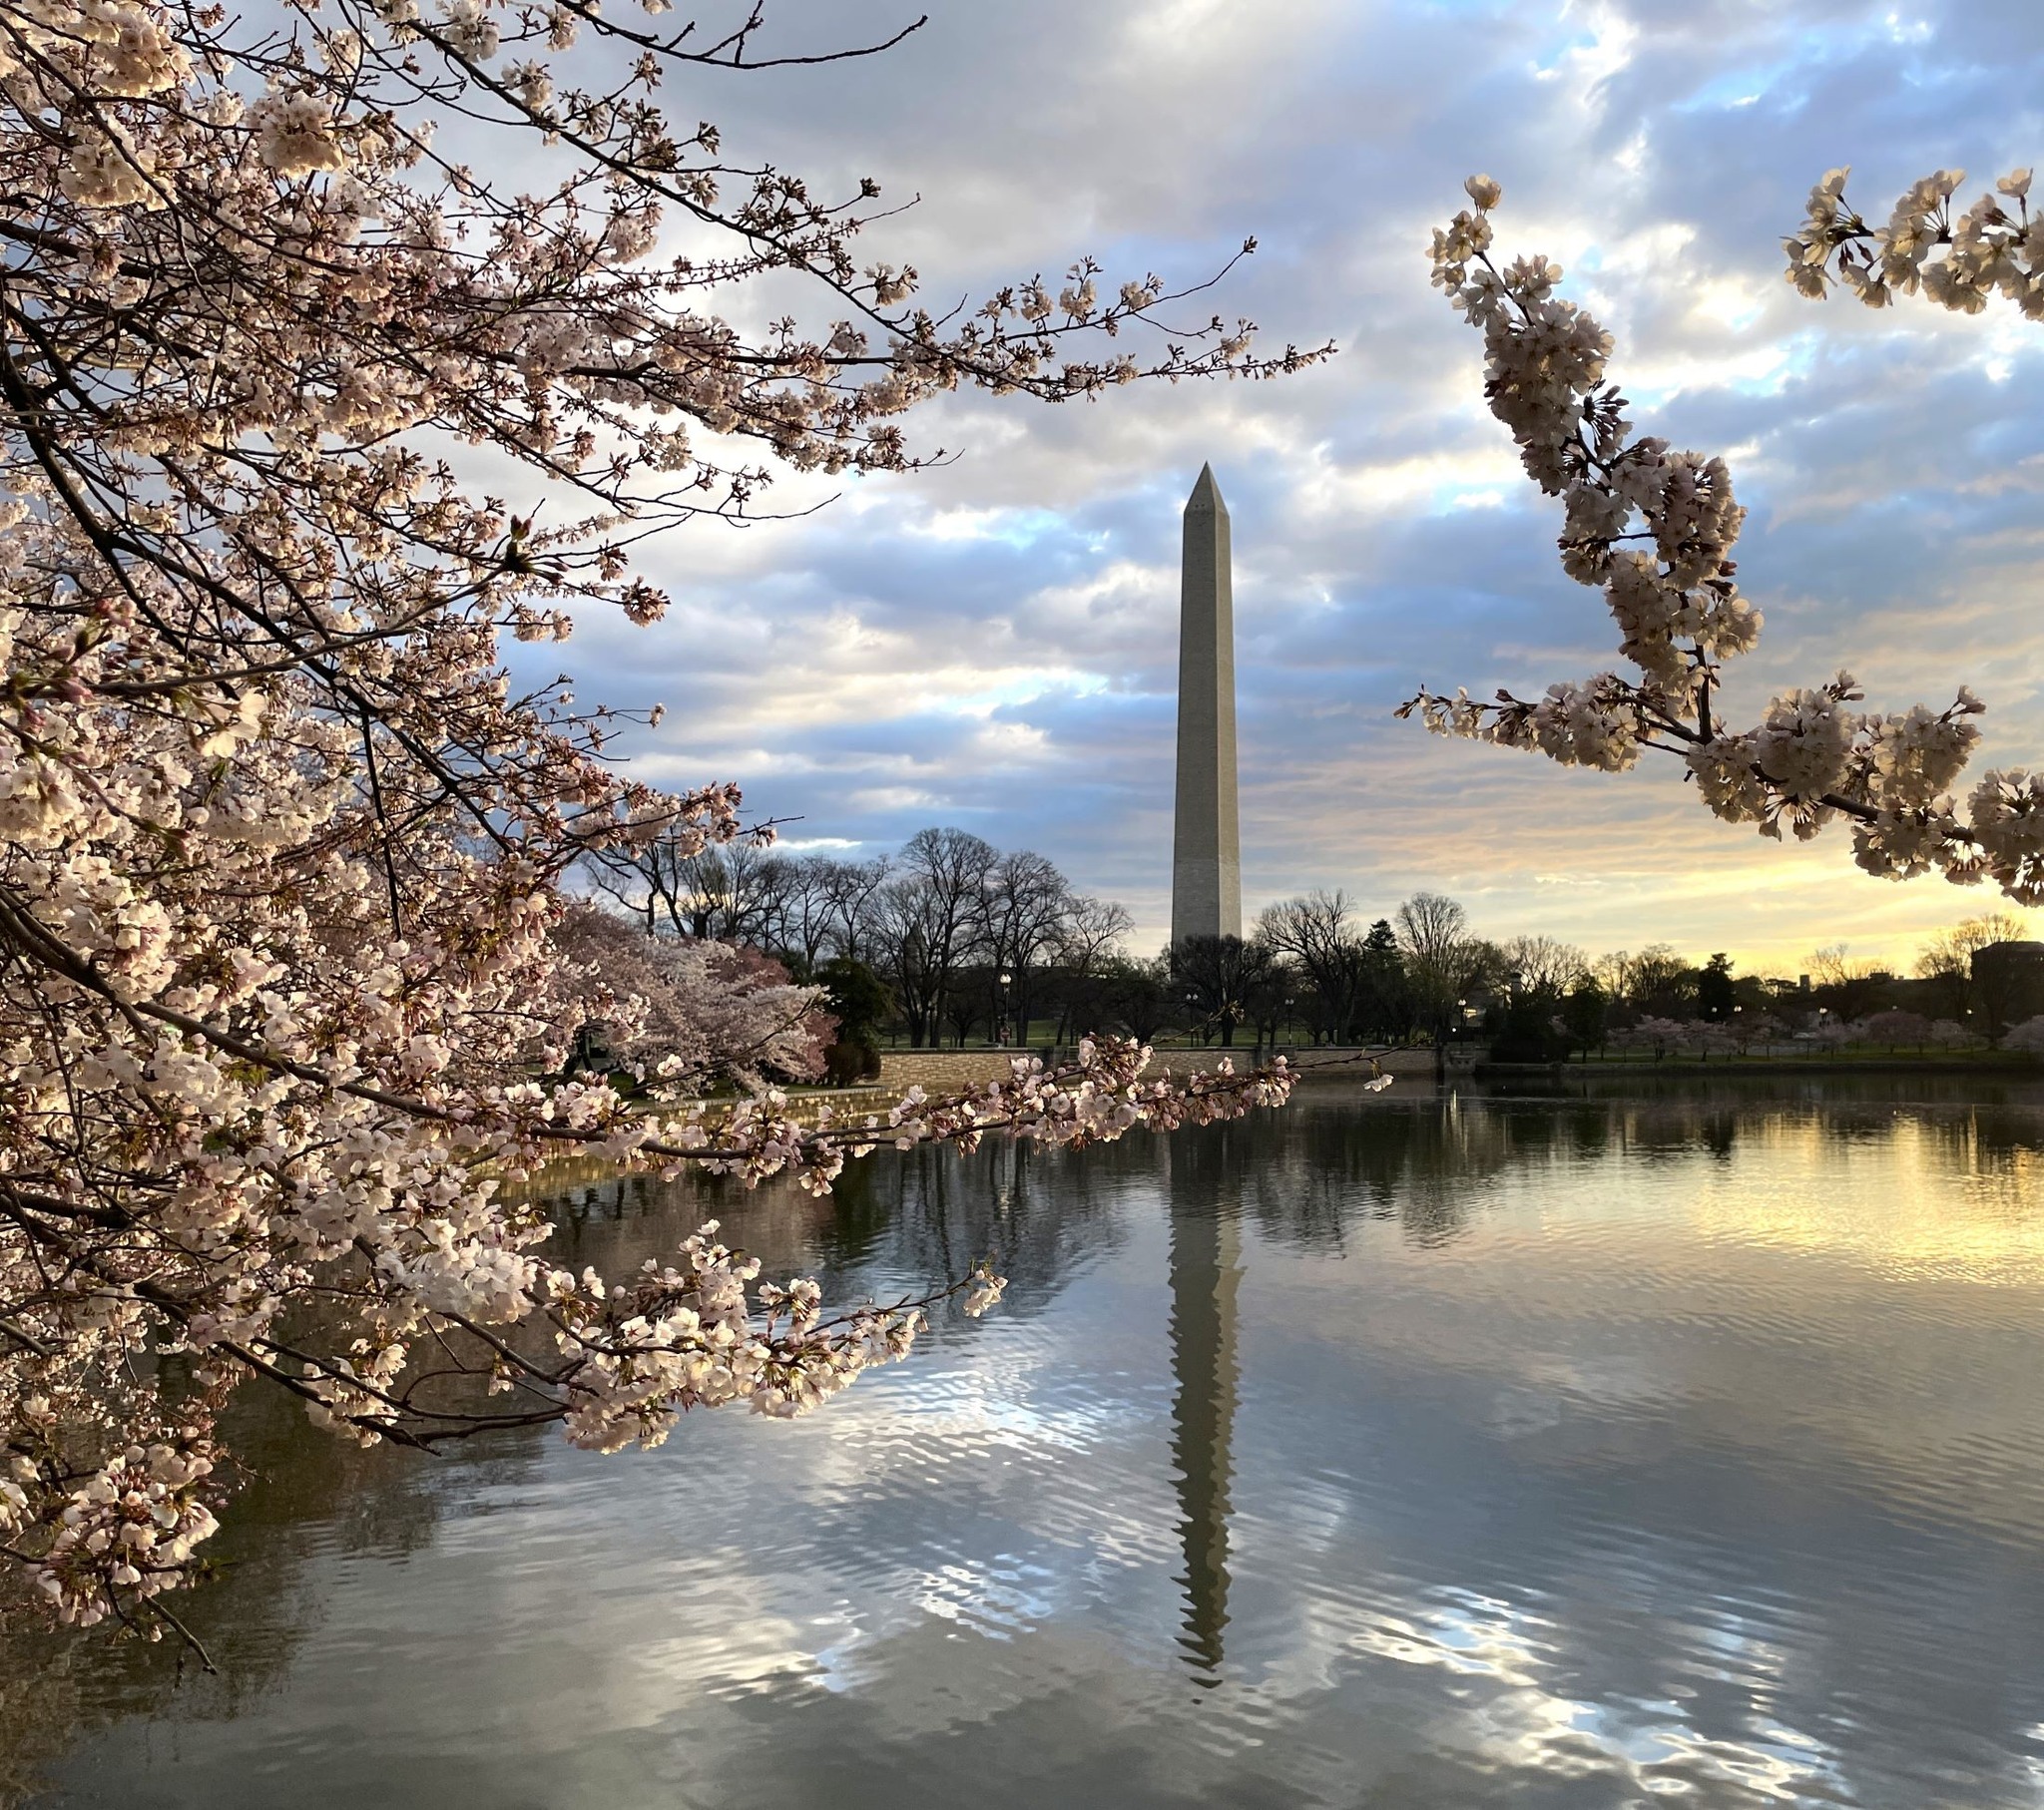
{"x":1314,"y":933}
{"x":1142,"y":995}
{"x":1442,"y":960}
{"x":1024,"y":903}
{"x":1947,"y":958}
{"x":968,"y":999}
{"x":1431,"y":927}
{"x":1093,"y":931}
{"x":1544,"y":967}
{"x":1657,"y":981}
{"x":674,"y":885}
{"x":1850,"y":986}
{"x":729,"y":893}
{"x":930,"y":913}
{"x":647,"y":881}
{"x":1090,"y":940}
{"x":853,"y":891}
{"x":1223,"y":980}
{"x":803,"y":924}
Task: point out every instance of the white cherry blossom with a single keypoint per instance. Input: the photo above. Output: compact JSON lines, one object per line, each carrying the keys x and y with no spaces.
{"x":1678,"y":608}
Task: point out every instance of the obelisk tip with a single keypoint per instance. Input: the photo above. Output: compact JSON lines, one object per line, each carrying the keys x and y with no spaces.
{"x":1207,"y":493}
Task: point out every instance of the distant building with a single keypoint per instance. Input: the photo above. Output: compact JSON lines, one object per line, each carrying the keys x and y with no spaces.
{"x":2008,"y":982}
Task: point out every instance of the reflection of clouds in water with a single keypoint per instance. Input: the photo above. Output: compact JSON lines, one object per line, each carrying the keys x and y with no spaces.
{"x":1611,"y":1381}
{"x":999,"y":1600}
{"x":1550,"y":1385}
{"x":1545,"y":1484}
{"x":1510,"y":1711}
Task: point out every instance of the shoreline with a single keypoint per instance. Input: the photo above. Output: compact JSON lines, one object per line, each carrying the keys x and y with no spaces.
{"x":1983,"y":1063}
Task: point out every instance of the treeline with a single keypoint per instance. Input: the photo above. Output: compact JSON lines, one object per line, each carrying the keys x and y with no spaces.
{"x":952,"y":941}
{"x":1535,"y":998}
{"x":1317,"y":967}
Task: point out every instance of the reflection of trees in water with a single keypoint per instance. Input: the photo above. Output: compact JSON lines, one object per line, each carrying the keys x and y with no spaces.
{"x":1331,"y":1158}
{"x":40,"y":1706}
{"x":1338,"y":1155}
{"x":1985,"y":1140}
{"x":1302,"y":1175}
{"x":918,"y":1214}
{"x":1042,"y":1215}
{"x":1828,"y":1088}
{"x":300,"y":1492}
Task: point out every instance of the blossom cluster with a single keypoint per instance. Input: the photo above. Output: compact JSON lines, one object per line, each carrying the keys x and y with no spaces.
{"x":1959,"y":261}
{"x":1653,"y":529}
{"x":299,"y":417}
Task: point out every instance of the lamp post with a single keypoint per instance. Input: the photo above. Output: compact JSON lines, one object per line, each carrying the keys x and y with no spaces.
{"x":1001,"y":1006}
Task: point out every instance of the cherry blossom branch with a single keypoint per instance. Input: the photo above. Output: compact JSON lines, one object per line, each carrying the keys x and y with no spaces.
{"x":1677,"y":604}
{"x":1985,"y":251}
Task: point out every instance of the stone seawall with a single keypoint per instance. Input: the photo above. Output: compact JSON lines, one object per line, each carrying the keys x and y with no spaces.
{"x":948,"y":1070}
{"x":944,"y":1072}
{"x":1331,"y":1062}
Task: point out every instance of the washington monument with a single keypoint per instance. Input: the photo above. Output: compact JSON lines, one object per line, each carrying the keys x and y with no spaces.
{"x":1205,"y":858}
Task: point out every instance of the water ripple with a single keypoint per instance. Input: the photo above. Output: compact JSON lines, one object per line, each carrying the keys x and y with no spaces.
{"x":1566,"y":1455}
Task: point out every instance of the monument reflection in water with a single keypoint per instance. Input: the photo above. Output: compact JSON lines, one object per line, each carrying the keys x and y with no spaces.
{"x":1557,"y":1455}
{"x":1206,"y":1279}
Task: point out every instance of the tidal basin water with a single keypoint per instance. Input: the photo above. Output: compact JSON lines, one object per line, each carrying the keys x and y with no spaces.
{"x":1406,"y":1452}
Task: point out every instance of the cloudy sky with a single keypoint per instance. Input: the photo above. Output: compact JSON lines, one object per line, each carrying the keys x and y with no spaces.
{"x":993,"y":644}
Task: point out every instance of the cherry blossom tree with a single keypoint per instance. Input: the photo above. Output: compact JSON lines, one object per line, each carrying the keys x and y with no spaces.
{"x":1896,"y":1028}
{"x":1651,"y":529}
{"x":1949,"y":1034}
{"x":694,"y":1012}
{"x":2027,"y":1037}
{"x":341,"y":339}
{"x":1657,"y":1034}
{"x":1761,"y":1028}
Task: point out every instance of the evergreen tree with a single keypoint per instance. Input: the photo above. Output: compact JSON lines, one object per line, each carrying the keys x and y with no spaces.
{"x":1715,"y":998}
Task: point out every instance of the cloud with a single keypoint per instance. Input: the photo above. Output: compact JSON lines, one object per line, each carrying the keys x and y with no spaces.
{"x":993,"y":643}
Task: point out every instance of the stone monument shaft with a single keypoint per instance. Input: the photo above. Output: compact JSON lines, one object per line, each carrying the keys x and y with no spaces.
{"x":1206,"y":861}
